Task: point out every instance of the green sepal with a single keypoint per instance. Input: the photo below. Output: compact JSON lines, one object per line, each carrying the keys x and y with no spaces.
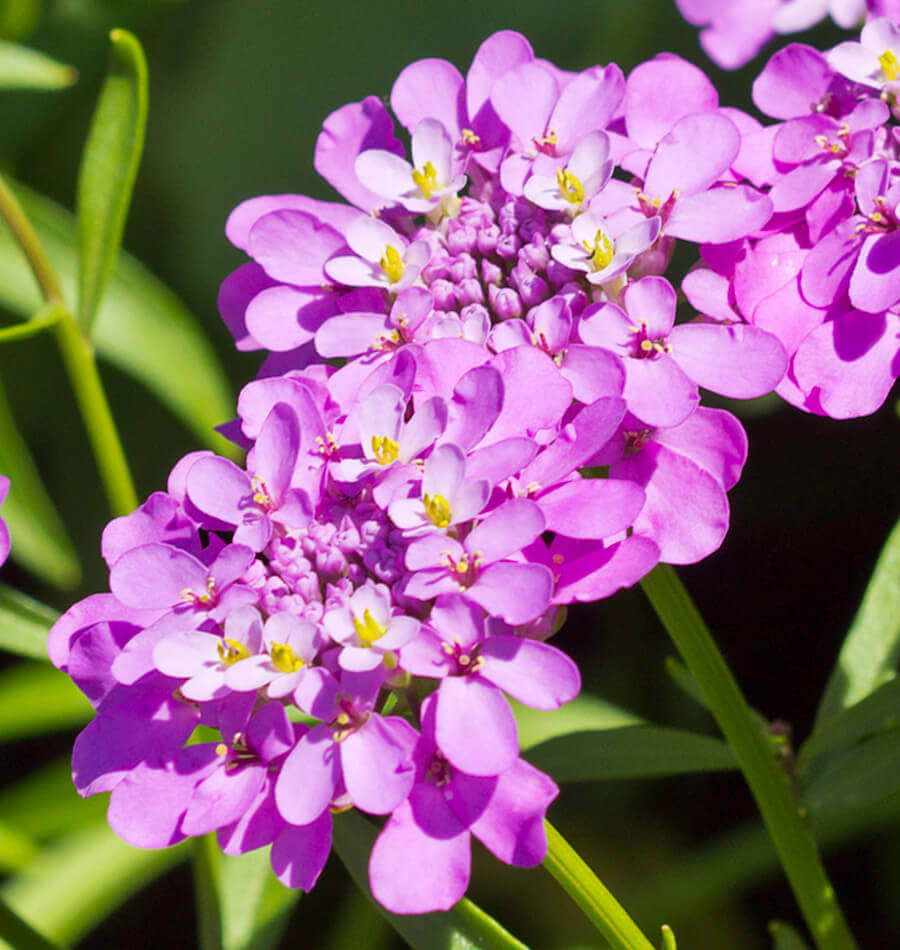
{"x":24,"y":68}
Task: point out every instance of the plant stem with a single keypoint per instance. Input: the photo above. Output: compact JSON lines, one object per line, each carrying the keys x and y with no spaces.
{"x":78,"y":357}
{"x":589,"y":893}
{"x":792,"y":839}
{"x":50,"y":314}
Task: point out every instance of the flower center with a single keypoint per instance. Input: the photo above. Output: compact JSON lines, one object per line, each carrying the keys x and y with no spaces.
{"x":207,"y":599}
{"x":465,"y":569}
{"x":471,"y":138}
{"x":602,"y":251}
{"x":392,"y":264}
{"x":426,"y":179}
{"x":438,"y":510}
{"x":889,"y":64}
{"x":284,"y":658}
{"x":368,"y":629}
{"x":230,"y":651}
{"x":635,"y":441}
{"x":385,"y":449}
{"x":261,"y":496}
{"x":546,"y":143}
{"x":570,"y":187}
{"x":467,"y":663}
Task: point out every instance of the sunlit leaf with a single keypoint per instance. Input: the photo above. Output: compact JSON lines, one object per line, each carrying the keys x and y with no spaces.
{"x":17,"y":933}
{"x":109,"y":165}
{"x":464,"y":927}
{"x":584,"y":712}
{"x":39,"y":540}
{"x":24,"y":623}
{"x":785,"y":937}
{"x":142,"y":329}
{"x":871,"y":650}
{"x":35,"y":699}
{"x":16,"y":849}
{"x":23,"y":68}
{"x":79,"y":880}
{"x":629,"y":752}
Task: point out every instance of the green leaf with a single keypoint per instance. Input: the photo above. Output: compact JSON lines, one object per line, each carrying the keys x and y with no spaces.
{"x":683,"y":679}
{"x":23,"y":68}
{"x":870,"y":652}
{"x":863,"y":776}
{"x":463,"y":927}
{"x":629,"y":752}
{"x":16,"y":849}
{"x":81,"y":879}
{"x":785,"y":937}
{"x":109,"y":166}
{"x":242,"y":905}
{"x":35,"y":699}
{"x":878,"y":712}
{"x":584,"y":712}
{"x":24,"y":623}
{"x":20,"y":934}
{"x":142,"y":329}
{"x":39,"y":540}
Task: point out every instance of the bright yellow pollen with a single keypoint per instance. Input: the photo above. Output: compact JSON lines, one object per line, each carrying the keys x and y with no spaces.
{"x":602,"y":251}
{"x":284,"y":658}
{"x":261,"y":495}
{"x":392,"y":264}
{"x":571,"y":188}
{"x":438,"y":510}
{"x":426,"y":179}
{"x":470,"y":137}
{"x":646,"y":345}
{"x":234,"y":651}
{"x":385,"y":449}
{"x":889,"y":64}
{"x":221,"y":749}
{"x":368,"y":629}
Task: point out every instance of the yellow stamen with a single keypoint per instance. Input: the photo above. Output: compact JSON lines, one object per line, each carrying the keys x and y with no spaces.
{"x":385,"y":449}
{"x":392,"y":264}
{"x":602,"y":252}
{"x":470,"y":138}
{"x":438,"y":510}
{"x":571,"y":188}
{"x":234,"y":651}
{"x":368,"y":629}
{"x":426,"y":179}
{"x":889,"y":64}
{"x":284,"y":658}
{"x":646,"y":345}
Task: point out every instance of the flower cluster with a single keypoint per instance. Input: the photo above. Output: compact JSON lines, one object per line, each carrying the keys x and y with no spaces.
{"x":4,"y":531}
{"x":736,"y":30}
{"x":478,"y":407}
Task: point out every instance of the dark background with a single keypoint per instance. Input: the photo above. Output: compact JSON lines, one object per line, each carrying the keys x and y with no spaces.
{"x":238,"y":90}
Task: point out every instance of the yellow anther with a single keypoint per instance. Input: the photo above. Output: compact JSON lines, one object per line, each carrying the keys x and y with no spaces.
{"x":230,"y":651}
{"x":571,"y":188}
{"x":261,"y":494}
{"x":438,"y":510}
{"x":470,"y":138}
{"x":221,"y":749}
{"x":602,"y":252}
{"x":426,"y":179}
{"x":284,"y":658}
{"x":646,"y":345}
{"x":392,"y":264}
{"x":889,"y":64}
{"x":368,"y":629}
{"x":462,"y":565}
{"x":385,"y":449}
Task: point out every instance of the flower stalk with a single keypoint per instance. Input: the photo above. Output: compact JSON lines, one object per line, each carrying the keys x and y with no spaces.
{"x":793,"y":841}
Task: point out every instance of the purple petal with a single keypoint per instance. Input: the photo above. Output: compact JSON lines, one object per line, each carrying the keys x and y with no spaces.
{"x":533,"y":673}
{"x":292,"y":246}
{"x":475,"y":727}
{"x":275,"y":453}
{"x":308,"y":777}
{"x":693,"y":155}
{"x":725,"y":213}
{"x":591,"y":508}
{"x":508,"y":529}
{"x":875,"y":282}
{"x":516,"y":592}
{"x":154,"y":575}
{"x":299,"y":853}
{"x":429,"y":88}
{"x":377,"y":768}
{"x":658,"y":391}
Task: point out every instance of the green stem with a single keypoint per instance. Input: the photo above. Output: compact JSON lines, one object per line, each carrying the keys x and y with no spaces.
{"x":589,"y":893}
{"x":49,"y":315}
{"x":78,"y":357}
{"x":792,"y":839}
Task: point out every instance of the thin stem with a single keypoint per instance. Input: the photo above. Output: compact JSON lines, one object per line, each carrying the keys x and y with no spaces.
{"x":78,"y":357}
{"x":49,"y":315}
{"x":589,"y":893}
{"x":792,"y":839}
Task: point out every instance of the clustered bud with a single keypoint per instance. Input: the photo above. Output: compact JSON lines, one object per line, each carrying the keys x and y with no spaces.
{"x":481,"y":404}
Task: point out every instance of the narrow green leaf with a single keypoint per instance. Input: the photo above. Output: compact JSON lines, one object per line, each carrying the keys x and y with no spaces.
{"x":24,"y":622}
{"x":584,"y":712}
{"x":20,"y":934}
{"x":668,"y":938}
{"x":871,"y":649}
{"x":464,"y":927}
{"x":863,"y":776}
{"x":878,"y":712}
{"x":24,"y":68}
{"x":35,"y":699}
{"x":629,"y":752}
{"x":785,"y":937}
{"x":16,"y":849}
{"x":109,"y":166}
{"x":81,"y":879}
{"x":44,"y":804}
{"x":206,"y":868}
{"x":681,"y":676}
{"x":39,"y":540}
{"x":142,"y":329}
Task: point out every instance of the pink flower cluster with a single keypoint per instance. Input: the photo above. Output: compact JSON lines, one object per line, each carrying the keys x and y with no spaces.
{"x":478,"y":407}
